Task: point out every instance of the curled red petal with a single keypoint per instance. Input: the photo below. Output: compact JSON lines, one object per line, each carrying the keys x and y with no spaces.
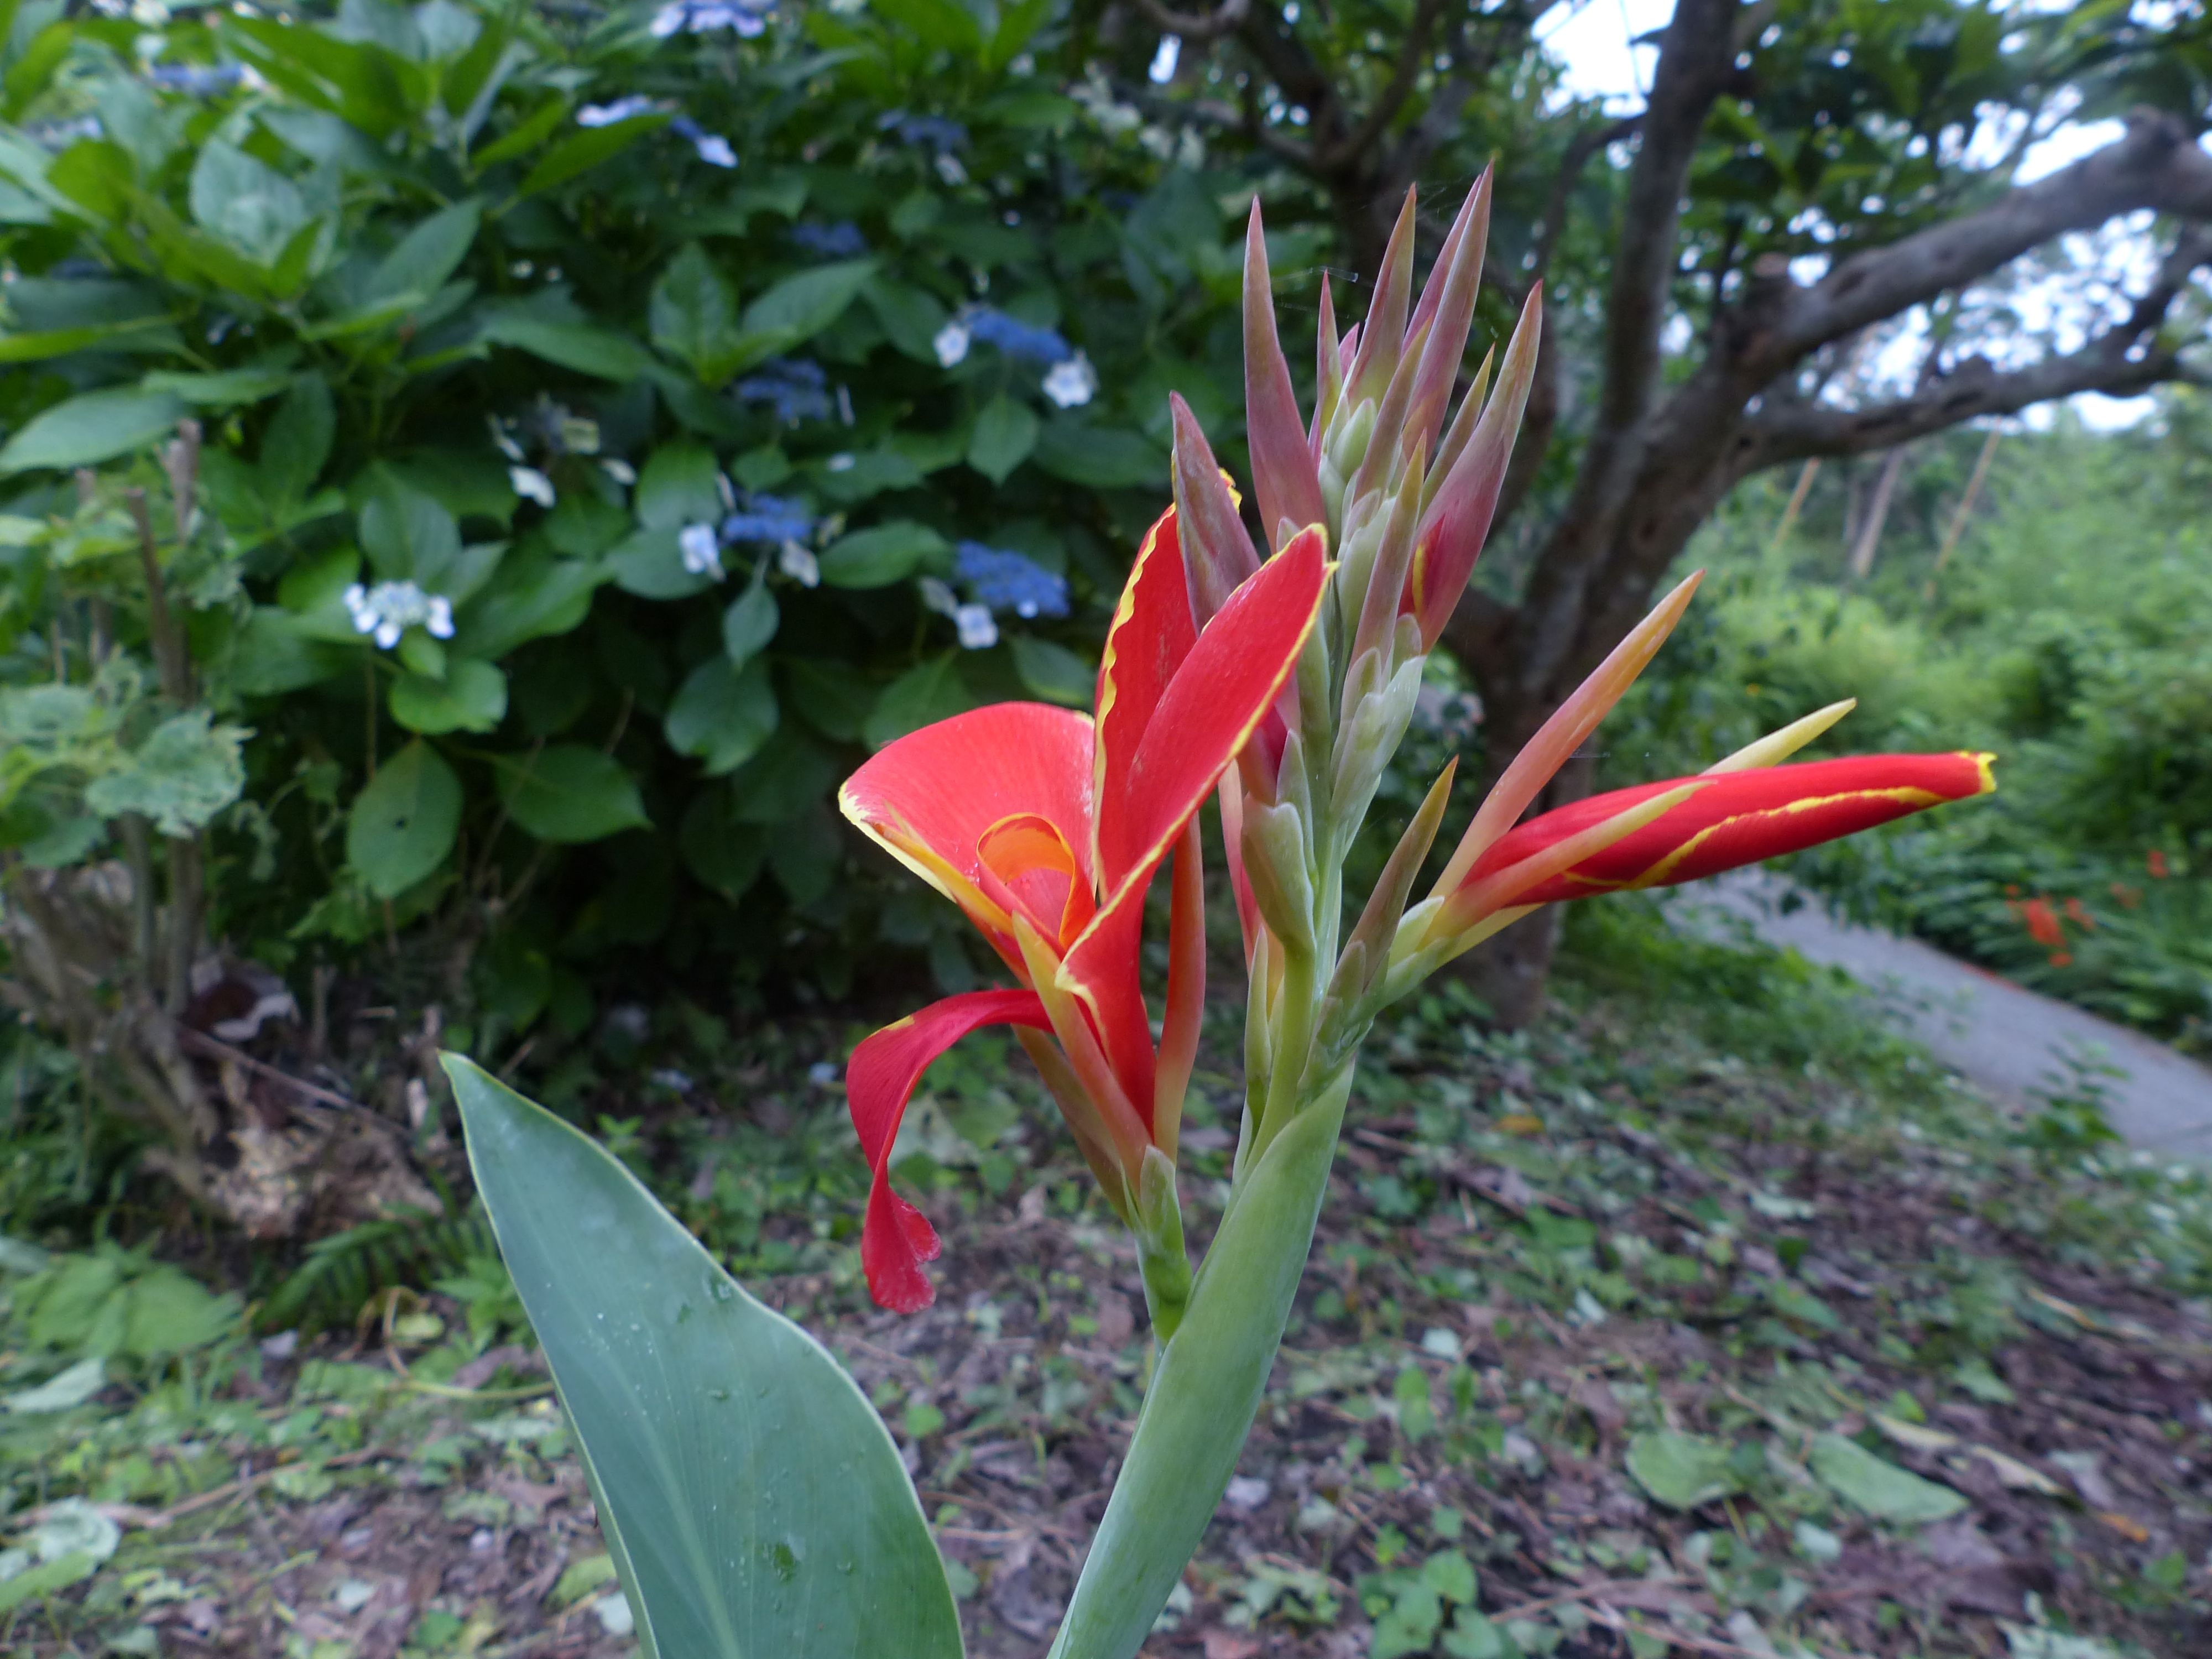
{"x":928,"y":798}
{"x":1739,"y":818}
{"x":897,"y":1239}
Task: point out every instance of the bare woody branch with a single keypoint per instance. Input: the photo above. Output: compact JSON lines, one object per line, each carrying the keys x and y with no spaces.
{"x":2123,"y":360}
{"x":2156,"y":165}
{"x":1197,"y":31}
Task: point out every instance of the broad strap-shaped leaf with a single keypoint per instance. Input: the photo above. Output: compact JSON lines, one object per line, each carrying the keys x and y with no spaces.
{"x":1738,"y":818}
{"x":756,"y":1504}
{"x":897,"y":1238}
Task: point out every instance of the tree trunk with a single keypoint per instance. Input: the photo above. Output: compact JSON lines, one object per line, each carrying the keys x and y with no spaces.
{"x":1511,"y":971}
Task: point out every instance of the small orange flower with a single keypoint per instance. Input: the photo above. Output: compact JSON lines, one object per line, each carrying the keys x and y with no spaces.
{"x":2060,"y":958}
{"x":2043,"y":924}
{"x":2156,"y":859}
{"x":2128,"y":896}
{"x":2078,"y":914}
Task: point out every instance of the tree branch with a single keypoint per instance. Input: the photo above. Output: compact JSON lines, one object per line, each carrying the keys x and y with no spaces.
{"x":2125,"y":359}
{"x":1696,"y":53}
{"x":2157,"y":165}
{"x":1197,"y":31}
{"x":1580,"y":149}
{"x":1346,"y":152}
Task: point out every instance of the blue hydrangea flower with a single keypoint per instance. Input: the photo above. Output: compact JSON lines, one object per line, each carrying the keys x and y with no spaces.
{"x":796,"y":389}
{"x":714,"y":150}
{"x":767,"y":519}
{"x":1016,"y":339}
{"x":196,"y":80}
{"x":842,"y":240}
{"x":1009,"y":581}
{"x":929,"y":131}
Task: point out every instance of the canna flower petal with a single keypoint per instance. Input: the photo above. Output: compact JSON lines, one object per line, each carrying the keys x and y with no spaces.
{"x":1543,"y":755}
{"x":1197,"y":721}
{"x":1147,"y":641}
{"x":1203,"y":715}
{"x":897,"y":1239}
{"x":1736,"y":819}
{"x":929,"y":798}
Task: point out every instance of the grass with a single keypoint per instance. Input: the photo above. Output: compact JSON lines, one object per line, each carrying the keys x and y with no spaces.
{"x":1703,"y":1318}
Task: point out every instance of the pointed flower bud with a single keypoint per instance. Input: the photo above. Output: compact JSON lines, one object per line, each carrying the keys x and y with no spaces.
{"x":1217,"y":553}
{"x":1283,"y":471}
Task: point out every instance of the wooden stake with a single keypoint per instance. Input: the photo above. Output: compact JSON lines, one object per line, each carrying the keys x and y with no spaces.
{"x":1965,"y":508}
{"x":1796,"y":504}
{"x":1869,"y":537}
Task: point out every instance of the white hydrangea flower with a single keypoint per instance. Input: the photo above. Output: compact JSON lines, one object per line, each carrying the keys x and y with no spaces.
{"x":390,"y":609}
{"x":978,"y":629}
{"x":800,"y":564}
{"x":950,"y":170}
{"x":952,"y":344}
{"x":1072,"y":382}
{"x":532,"y":484}
{"x":621,"y":471}
{"x":714,"y":150}
{"x":1165,"y":59}
{"x":939,"y":596}
{"x":843,"y":461}
{"x":703,"y":550}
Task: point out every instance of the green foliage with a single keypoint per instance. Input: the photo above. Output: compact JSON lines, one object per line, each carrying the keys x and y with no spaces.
{"x":751,"y":1499}
{"x":2064,"y":635}
{"x":339,"y":1276}
{"x":115,"y":1303}
{"x":574,"y":507}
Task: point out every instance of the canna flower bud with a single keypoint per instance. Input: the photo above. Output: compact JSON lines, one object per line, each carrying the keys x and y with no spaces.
{"x":1217,"y":553}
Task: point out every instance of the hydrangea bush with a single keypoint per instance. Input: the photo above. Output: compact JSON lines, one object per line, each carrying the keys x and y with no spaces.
{"x":617,"y":425}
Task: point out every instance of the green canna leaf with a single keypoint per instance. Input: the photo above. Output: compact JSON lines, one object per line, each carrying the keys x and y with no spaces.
{"x":753,"y":1504}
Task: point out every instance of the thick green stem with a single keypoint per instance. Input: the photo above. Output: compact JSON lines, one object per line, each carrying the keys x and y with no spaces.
{"x":1207,"y":1387}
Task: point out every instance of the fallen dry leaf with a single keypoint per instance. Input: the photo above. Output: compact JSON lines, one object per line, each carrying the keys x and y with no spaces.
{"x":2134,"y":1531}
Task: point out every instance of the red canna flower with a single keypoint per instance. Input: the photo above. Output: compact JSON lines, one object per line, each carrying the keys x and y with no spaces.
{"x":1722,"y":822}
{"x":2043,"y":924}
{"x":1739,"y":811}
{"x":1045,"y":826}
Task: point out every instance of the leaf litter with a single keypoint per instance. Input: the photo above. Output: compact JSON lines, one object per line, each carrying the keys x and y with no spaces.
{"x":1628,"y":1336}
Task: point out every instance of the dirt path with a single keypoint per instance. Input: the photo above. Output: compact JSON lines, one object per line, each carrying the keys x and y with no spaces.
{"x":2010,"y":1040}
